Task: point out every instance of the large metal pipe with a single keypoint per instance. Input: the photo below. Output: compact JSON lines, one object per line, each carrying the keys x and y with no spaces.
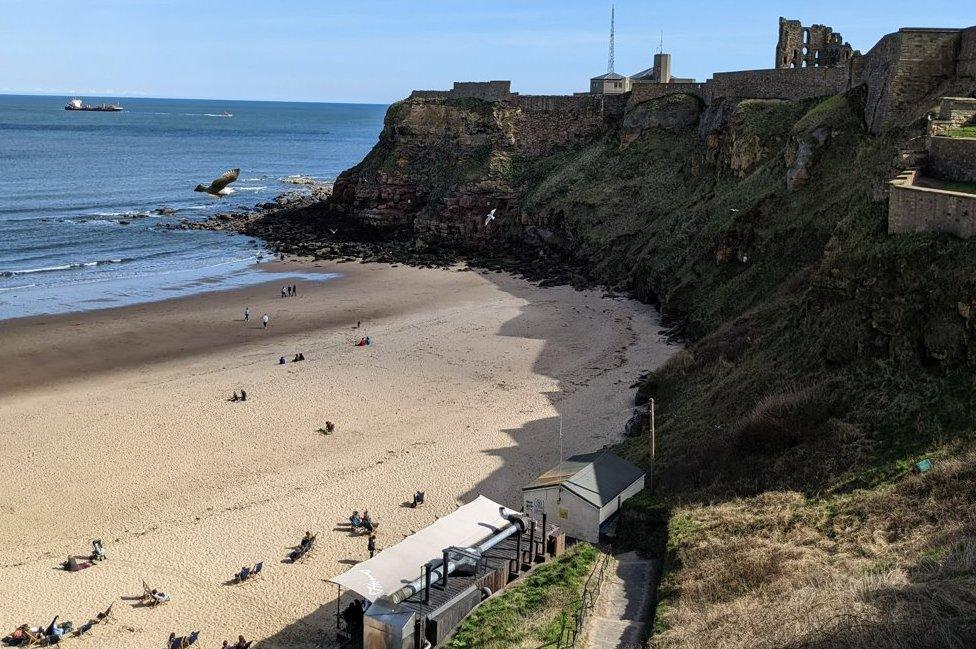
{"x":438,"y":573}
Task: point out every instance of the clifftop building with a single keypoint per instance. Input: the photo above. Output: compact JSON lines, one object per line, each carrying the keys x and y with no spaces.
{"x":613,"y":83}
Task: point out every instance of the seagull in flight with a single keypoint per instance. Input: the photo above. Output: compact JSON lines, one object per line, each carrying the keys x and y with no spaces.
{"x":734,"y":210}
{"x":219,"y":186}
{"x":491,"y":216}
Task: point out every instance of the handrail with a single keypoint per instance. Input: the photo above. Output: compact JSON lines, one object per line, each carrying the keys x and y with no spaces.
{"x":591,"y":592}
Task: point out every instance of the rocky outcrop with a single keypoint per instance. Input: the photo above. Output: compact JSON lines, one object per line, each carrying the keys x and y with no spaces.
{"x":442,"y":165}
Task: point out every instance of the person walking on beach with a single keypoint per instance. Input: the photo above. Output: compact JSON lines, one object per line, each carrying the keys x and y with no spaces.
{"x":264,"y":320}
{"x":247,"y":314}
{"x":294,"y":289}
{"x":371,"y":545}
{"x":284,"y":292}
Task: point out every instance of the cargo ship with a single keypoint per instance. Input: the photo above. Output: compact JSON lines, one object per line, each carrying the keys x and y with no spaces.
{"x":75,"y":104}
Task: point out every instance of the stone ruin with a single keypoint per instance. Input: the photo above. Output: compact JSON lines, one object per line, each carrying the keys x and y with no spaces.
{"x":808,"y":47}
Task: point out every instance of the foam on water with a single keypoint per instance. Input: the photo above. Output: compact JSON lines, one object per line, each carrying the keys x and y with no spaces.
{"x":81,"y":191}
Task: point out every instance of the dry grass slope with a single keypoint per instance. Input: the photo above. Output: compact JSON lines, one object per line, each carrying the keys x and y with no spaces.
{"x":885,"y":569}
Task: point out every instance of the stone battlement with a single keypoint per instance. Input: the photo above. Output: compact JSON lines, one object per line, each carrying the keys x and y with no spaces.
{"x":485,"y":90}
{"x":914,"y":208}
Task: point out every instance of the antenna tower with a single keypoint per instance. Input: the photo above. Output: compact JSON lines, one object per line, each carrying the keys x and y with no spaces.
{"x":610,"y":58}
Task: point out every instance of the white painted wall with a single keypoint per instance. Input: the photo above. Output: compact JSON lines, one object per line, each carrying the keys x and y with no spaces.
{"x":575,"y":516}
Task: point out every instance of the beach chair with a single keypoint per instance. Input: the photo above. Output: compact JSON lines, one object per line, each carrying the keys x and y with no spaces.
{"x":22,"y":636}
{"x":32,"y":639}
{"x":149,"y":598}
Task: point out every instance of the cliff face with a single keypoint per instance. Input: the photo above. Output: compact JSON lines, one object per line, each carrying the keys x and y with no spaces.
{"x":441,"y":166}
{"x":757,"y":226}
{"x":826,"y":356}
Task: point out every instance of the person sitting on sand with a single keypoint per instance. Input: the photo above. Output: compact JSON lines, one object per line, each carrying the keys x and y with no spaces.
{"x":296,"y":359}
{"x":159,"y":596}
{"x":307,"y":539}
{"x":356,"y":520}
{"x":235,"y":397}
{"x":301,"y":356}
{"x":329,"y":427}
{"x":368,"y":341}
{"x":243,"y":395}
{"x":418,"y":499}
{"x":361,"y":343}
{"x":281,"y":360}
{"x":368,"y":523}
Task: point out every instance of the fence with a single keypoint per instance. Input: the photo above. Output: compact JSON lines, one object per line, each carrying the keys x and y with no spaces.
{"x":572,"y":625}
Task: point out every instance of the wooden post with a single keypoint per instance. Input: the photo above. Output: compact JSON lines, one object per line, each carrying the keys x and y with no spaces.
{"x":653,"y":441}
{"x":545,"y":535}
{"x":518,"y":553}
{"x":532,"y":542}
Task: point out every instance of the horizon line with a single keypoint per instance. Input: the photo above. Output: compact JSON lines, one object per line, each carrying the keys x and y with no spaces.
{"x":13,"y":93}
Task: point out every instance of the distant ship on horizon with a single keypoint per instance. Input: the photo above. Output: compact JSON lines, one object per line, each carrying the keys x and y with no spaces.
{"x":76,"y":104}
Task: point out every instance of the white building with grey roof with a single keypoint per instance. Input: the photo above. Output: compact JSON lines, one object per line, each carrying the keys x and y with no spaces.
{"x":583,"y":493}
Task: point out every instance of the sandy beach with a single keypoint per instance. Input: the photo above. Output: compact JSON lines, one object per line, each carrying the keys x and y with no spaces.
{"x":115,"y":424}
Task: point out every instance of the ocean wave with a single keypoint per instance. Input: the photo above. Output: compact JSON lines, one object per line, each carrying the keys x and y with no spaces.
{"x":14,"y":288}
{"x":73,"y":266}
{"x":216,"y":115}
{"x":251,"y":189}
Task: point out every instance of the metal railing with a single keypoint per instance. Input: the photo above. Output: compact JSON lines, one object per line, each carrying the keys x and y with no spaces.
{"x":571,"y":626}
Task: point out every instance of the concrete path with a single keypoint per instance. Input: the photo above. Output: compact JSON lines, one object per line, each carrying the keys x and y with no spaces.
{"x":620,"y":617}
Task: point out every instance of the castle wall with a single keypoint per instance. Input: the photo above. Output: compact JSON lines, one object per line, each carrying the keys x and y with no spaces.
{"x":952,"y":159}
{"x":921,"y":209}
{"x":783,"y":83}
{"x":486,"y":90}
{"x":966,"y":59}
{"x":874,"y":70}
{"x":647,"y":91}
{"x":583,"y":104}
{"x":430,"y":94}
{"x":926,"y":60}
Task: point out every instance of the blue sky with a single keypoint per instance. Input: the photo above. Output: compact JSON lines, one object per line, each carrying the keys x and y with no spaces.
{"x":376,"y":51}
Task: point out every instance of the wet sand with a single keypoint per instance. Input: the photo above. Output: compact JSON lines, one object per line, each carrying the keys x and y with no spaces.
{"x":115,"y":424}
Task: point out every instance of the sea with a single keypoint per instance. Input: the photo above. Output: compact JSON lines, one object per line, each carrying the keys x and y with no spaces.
{"x":81,"y":192}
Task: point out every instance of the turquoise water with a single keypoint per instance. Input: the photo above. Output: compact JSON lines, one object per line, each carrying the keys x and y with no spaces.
{"x":78,"y":191}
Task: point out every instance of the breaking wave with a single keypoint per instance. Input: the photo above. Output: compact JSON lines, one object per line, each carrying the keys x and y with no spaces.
{"x":74,"y":266}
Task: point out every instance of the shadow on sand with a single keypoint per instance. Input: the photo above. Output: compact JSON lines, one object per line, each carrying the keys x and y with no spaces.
{"x":535,"y":445}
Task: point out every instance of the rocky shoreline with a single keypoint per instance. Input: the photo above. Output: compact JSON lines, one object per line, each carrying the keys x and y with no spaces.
{"x":302,"y":223}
